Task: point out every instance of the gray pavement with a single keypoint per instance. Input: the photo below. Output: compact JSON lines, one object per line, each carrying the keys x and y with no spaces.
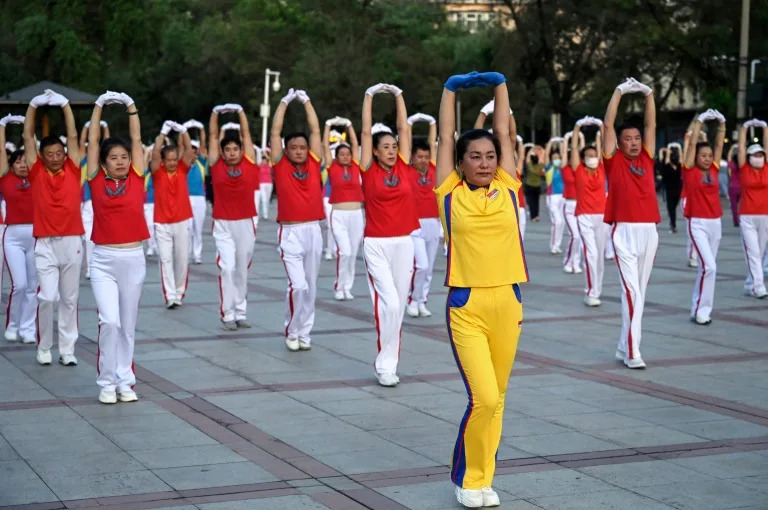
{"x":235,"y":421}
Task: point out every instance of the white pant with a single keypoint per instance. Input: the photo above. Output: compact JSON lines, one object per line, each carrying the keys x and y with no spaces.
{"x":2,"y":230}
{"x":301,"y":247}
{"x":117,"y":275}
{"x":199,"y":207}
{"x":58,"y":261}
{"x":572,"y":257}
{"x":754,"y":236}
{"x":263,"y":194}
{"x":593,"y":238}
{"x":347,"y":229}
{"x":635,"y":245}
{"x":19,"y":247}
{"x":234,"y":248}
{"x":86,"y":211}
{"x":149,"y":217}
{"x":705,"y":234}
{"x":609,"y":251}
{"x":173,"y":254}
{"x":690,"y":251}
{"x":557,"y":219}
{"x":330,"y":242}
{"x":389,"y":261}
{"x":523,"y":220}
{"x":425,"y":243}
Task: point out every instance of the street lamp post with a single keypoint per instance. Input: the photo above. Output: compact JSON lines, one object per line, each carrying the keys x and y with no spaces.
{"x":741,"y":97}
{"x":264,"y":113}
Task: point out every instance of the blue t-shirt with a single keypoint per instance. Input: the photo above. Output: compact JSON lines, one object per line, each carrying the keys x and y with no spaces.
{"x":196,"y":177}
{"x":149,"y":187}
{"x":86,"y":183}
{"x":555,"y":183}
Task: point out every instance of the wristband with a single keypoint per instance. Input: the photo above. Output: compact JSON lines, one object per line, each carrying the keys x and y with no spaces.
{"x":134,"y":112}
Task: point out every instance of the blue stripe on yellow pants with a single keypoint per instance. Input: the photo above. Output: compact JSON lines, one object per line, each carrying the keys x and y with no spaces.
{"x":484,"y":327}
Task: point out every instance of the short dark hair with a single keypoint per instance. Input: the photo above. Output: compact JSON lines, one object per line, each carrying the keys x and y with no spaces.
{"x":700,"y":146}
{"x":15,"y":155}
{"x":631,"y":123}
{"x":168,"y":148}
{"x":462,"y":144}
{"x":49,"y":140}
{"x":420,"y":145}
{"x":376,"y":138}
{"x":109,"y":144}
{"x":298,"y":134}
{"x":583,"y":151}
{"x":230,"y":139}
{"x":342,"y":146}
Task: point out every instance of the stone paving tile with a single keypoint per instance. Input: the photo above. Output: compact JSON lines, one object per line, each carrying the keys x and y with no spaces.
{"x":650,"y":435}
{"x":549,"y":483}
{"x":645,"y":474}
{"x":384,"y":458}
{"x":431,"y":496}
{"x":733,"y":465}
{"x":709,"y":495}
{"x":564,"y":442}
{"x":279,"y":503}
{"x":20,"y":485}
{"x":213,"y":475}
{"x":149,"y":440}
{"x":98,"y":485}
{"x":604,"y":500}
{"x":159,"y":458}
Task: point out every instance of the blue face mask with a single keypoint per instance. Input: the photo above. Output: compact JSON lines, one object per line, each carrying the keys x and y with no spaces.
{"x":557,"y":162}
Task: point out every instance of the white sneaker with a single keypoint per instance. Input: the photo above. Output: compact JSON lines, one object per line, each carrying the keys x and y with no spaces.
{"x":552,"y":251}
{"x":591,"y":301}
{"x":568,"y":270}
{"x":107,"y":397}
{"x":389,"y":380}
{"x":328,"y":255}
{"x":704,"y":321}
{"x":339,"y":295}
{"x":634,"y":363}
{"x":68,"y":360}
{"x":292,"y":344}
{"x":424,"y":311}
{"x":558,"y":250}
{"x":11,"y":336}
{"x":44,"y":356}
{"x":412,"y":310}
{"x":127,"y":396}
{"x":577,"y":270}
{"x":198,"y":261}
{"x":28,"y":340}
{"x":490,"y":498}
{"x":620,"y":355}
{"x":469,"y":498}
{"x":150,"y":252}
{"x":692,"y":262}
{"x":348,"y":295}
{"x":304,"y":346}
{"x":177,"y":302}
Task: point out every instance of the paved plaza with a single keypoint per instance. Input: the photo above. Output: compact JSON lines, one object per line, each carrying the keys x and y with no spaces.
{"x":235,"y":421}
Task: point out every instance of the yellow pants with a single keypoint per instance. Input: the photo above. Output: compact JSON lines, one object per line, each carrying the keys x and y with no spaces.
{"x":484,"y":327}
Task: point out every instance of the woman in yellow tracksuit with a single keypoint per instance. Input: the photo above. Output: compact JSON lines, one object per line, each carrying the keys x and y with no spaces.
{"x":477,"y":198}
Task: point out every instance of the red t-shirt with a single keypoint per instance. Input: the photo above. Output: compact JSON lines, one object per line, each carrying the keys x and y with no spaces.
{"x":345,"y":183}
{"x":702,"y":193}
{"x":172,"y":203}
{"x":233,"y":189}
{"x":265,"y":173}
{"x":631,"y":189}
{"x":590,"y":190}
{"x":56,"y":199}
{"x":299,"y":191}
{"x":19,"y":205}
{"x":390,"y":210}
{"x":118,"y":208}
{"x":569,"y":183}
{"x":520,"y":194}
{"x":754,"y":190}
{"x":424,"y":189}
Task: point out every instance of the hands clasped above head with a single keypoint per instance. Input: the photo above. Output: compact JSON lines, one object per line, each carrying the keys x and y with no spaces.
{"x":292,"y":94}
{"x":631,"y":86}
{"x":423,"y":117}
{"x":193,"y":124}
{"x":338,"y":121}
{"x":380,"y":88}
{"x":49,"y":97}
{"x":711,"y":115}
{"x":110,"y":97}
{"x":170,"y":125}
{"x":11,"y":119}
{"x":489,"y":106}
{"x":474,"y":79}
{"x":755,"y":123}
{"x":228,"y":108}
{"x":231,"y":125}
{"x":589,"y":121}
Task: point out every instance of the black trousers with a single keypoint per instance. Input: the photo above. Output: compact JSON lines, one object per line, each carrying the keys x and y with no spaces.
{"x":673,"y":198}
{"x":532,"y":194}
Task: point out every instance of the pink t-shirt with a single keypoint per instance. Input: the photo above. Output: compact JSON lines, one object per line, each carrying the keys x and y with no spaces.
{"x":265,"y":173}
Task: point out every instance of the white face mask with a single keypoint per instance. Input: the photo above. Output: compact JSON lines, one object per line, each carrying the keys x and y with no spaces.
{"x":757,"y":161}
{"x":557,"y":162}
{"x":591,"y":162}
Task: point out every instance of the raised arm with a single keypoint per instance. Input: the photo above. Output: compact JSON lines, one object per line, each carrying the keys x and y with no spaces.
{"x":134,"y":130}
{"x":512,"y":129}
{"x":432,"y":141}
{"x":719,"y":141}
{"x":327,"y":156}
{"x":742,"y":145}
{"x":83,"y":138}
{"x":213,"y":137}
{"x":366,"y":138}
{"x":94,"y":130}
{"x":480,"y":121}
{"x":520,"y":148}
{"x":446,"y":159}
{"x":245,"y":136}
{"x":403,"y":128}
{"x":765,"y":140}
{"x":313,"y":123}
{"x":156,"y":158}
{"x":186,"y":151}
{"x":575,"y":159}
{"x":545,"y":156}
{"x":649,"y":136}
{"x":599,"y":137}
{"x":689,"y":158}
{"x":501,"y":129}
{"x":203,"y":150}
{"x":275,"y":133}
{"x":609,"y":130}
{"x":353,"y":144}
{"x":30,"y":145}
{"x":3,"y":155}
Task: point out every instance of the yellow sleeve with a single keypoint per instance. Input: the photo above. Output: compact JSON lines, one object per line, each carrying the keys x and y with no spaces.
{"x":448,"y":184}
{"x":507,"y":180}
{"x":247,"y":158}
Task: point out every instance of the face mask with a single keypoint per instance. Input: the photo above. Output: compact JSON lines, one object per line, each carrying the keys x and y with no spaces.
{"x":535,"y":160}
{"x":557,"y":162}
{"x":757,"y":161}
{"x":591,"y":162}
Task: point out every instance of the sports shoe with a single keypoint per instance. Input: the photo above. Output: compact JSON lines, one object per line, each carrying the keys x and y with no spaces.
{"x":389,"y":380}
{"x":348,"y":295}
{"x":620,"y":355}
{"x":469,"y":498}
{"x":177,"y":302}
{"x":692,"y":262}
{"x":634,"y":363}
{"x":591,"y":301}
{"x":292,"y":344}
{"x":229,"y":325}
{"x":68,"y":360}
{"x":704,"y":321}
{"x":44,"y":356}
{"x":552,"y":251}
{"x":568,"y":270}
{"x":558,"y":250}
{"x":150,"y":252}
{"x":752,"y":293}
{"x":243,"y":324}
{"x":198,"y":261}
{"x":170,"y":305}
{"x":339,"y":295}
{"x":490,"y":498}
{"x":577,"y":270}
{"x":304,"y":346}
{"x":328,"y":255}
{"x":11,"y":336}
{"x":424,"y":311}
{"x":107,"y":397}
{"x":28,"y":340}
{"x":412,"y":310}
{"x":127,"y":396}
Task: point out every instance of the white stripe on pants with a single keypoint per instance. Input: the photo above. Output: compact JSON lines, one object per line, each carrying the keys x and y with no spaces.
{"x":592,"y":231}
{"x":86,"y":211}
{"x":199,"y":208}
{"x":522,"y":216}
{"x":173,"y":257}
{"x":347,"y":229}
{"x":389,"y":261}
{"x":264,"y":193}
{"x":705,"y":234}
{"x":635,"y":245}
{"x":234,"y":247}
{"x":58,"y":261}
{"x":19,"y":248}
{"x":301,"y":248}
{"x":425,"y":244}
{"x":556,"y":218}
{"x":149,"y":217}
{"x":330,"y":242}
{"x":754,"y":236}
{"x":572,"y":257}
{"x":117,"y":275}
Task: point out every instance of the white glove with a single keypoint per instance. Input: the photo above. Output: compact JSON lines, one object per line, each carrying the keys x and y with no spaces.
{"x":416,"y":117}
{"x":231,"y":125}
{"x":756,"y":123}
{"x":568,"y":135}
{"x":379,"y":128}
{"x":675,"y":145}
{"x":220,"y":109}
{"x":167,"y":127}
{"x":109,"y":97}
{"x":338,"y":121}
{"x":392,"y":89}
{"x":103,"y":123}
{"x":178,"y":127}
{"x":556,"y":139}
{"x":719,"y":116}
{"x":10,"y":147}
{"x":708,"y":115}
{"x":4,"y":121}
{"x":40,"y":100}
{"x":56,"y":99}
{"x":126,"y":99}
{"x":594,"y":121}
{"x":643,"y":88}
{"x":290,"y":96}
{"x":193,"y":124}
{"x":627,"y":86}
{"x":488,"y":108}
{"x":376,"y":89}
{"x":519,"y":139}
{"x":302,"y":96}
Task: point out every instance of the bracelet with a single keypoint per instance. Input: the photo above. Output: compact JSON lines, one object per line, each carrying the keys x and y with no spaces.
{"x":721,"y":130}
{"x":134,"y":113}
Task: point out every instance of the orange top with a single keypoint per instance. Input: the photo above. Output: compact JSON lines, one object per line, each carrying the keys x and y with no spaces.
{"x":171,"y":194}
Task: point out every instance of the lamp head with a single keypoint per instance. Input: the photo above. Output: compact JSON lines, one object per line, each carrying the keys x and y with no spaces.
{"x":276,"y":83}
